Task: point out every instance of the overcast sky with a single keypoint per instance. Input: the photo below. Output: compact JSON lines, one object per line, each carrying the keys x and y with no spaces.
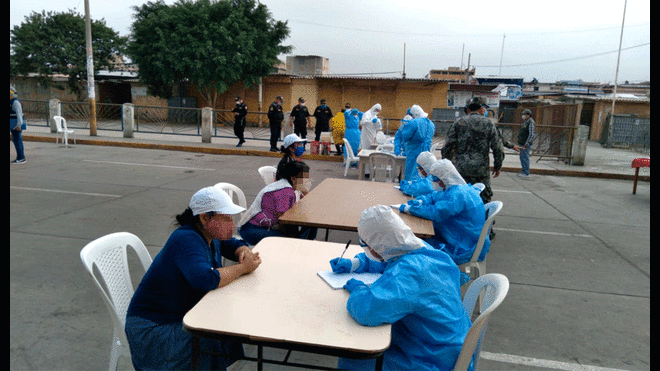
{"x":549,"y":40}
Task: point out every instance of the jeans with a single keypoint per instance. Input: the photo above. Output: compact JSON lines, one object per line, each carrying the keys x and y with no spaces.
{"x":17,"y":138}
{"x":524,"y":160}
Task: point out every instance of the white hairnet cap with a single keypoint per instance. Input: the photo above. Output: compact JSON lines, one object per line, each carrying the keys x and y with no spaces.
{"x":446,"y":171}
{"x":426,"y":159}
{"x":417,"y":111}
{"x":386,"y":234}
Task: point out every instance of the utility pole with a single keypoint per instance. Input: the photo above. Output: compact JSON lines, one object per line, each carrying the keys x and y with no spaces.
{"x":91,"y":93}
{"x":616,"y":76}
{"x":467,"y":72}
{"x":502,"y":54}
{"x":403,"y":76}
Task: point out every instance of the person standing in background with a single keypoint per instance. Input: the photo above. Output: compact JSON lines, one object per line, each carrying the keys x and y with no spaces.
{"x":240,"y":111}
{"x":16,"y":125}
{"x":323,"y":114}
{"x":525,"y":139}
{"x":338,"y":126}
{"x":300,"y":119}
{"x":275,"y":118}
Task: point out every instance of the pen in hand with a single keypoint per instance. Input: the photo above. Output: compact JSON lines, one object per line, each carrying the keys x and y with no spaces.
{"x":346,"y":248}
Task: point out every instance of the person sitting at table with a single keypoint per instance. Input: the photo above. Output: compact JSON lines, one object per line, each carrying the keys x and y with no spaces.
{"x":418,"y":293}
{"x":293,"y":148}
{"x":416,"y":137}
{"x":188,"y":266}
{"x":423,"y":184}
{"x":457,"y":212}
{"x":261,"y":219}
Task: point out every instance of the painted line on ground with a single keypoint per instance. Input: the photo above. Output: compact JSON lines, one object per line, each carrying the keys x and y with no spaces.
{"x":150,"y":165}
{"x":69,"y":192}
{"x":543,"y":232}
{"x":545,"y":363}
{"x":510,"y":191}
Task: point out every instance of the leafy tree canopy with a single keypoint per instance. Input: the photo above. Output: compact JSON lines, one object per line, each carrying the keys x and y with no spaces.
{"x":50,"y":43}
{"x":212,"y":44}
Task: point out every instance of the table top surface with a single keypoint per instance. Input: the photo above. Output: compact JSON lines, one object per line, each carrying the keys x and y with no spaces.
{"x":285,"y":301}
{"x":338,"y":203}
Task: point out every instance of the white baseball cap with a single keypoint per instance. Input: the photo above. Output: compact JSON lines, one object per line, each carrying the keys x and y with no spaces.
{"x":213,"y":199}
{"x":290,"y":139}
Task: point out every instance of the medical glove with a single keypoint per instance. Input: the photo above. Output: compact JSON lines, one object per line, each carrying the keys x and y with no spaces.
{"x":341,"y":265}
{"x":404,"y":208}
{"x":374,"y":120}
{"x":354,"y":284}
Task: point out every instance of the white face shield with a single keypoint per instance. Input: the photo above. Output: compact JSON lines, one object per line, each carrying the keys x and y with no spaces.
{"x":385,"y":235}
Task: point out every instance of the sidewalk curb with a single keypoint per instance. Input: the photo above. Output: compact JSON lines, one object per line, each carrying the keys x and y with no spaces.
{"x":214,"y":149}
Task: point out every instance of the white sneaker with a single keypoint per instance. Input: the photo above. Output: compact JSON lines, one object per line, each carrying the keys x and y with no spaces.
{"x":523,"y":175}
{"x":18,"y":161}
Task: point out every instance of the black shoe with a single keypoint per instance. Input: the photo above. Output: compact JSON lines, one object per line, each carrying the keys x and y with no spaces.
{"x":240,"y":144}
{"x":491,"y":235}
{"x":273,"y":149}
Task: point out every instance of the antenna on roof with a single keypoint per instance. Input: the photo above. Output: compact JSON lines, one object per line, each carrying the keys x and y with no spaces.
{"x":403,"y":75}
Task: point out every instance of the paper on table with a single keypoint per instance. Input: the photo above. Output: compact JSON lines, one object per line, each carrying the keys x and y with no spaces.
{"x":338,"y":280}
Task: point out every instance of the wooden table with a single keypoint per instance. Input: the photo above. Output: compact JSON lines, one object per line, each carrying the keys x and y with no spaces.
{"x":363,"y":161}
{"x":338,"y":203}
{"x":637,"y":163}
{"x":285,"y":304}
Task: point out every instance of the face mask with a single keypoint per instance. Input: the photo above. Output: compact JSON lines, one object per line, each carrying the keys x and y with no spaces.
{"x":299,"y":151}
{"x":486,"y":114}
{"x":323,"y":106}
{"x":302,"y":104}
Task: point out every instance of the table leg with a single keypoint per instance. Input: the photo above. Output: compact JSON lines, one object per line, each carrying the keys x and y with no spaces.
{"x":196,"y":352}
{"x":379,"y":363}
{"x":635,"y":180}
{"x":360,"y":170}
{"x":260,"y":358}
{"x":327,"y":232}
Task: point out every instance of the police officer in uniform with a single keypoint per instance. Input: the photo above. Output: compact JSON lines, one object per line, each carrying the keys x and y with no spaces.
{"x":275,"y":117}
{"x":240,"y":111}
{"x":300,"y":118}
{"x":468,"y":143}
{"x":323,"y":115}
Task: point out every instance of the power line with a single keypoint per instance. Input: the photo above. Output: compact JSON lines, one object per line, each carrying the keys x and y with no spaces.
{"x":568,"y":59}
{"x":457,"y":34}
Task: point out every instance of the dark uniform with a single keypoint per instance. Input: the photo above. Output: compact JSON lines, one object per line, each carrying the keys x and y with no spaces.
{"x":300,"y":115}
{"x":469,"y":141}
{"x":275,"y":117}
{"x":323,"y":115}
{"x":239,"y":121}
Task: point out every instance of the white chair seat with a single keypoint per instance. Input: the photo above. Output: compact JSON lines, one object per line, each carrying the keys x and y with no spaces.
{"x":62,"y":129}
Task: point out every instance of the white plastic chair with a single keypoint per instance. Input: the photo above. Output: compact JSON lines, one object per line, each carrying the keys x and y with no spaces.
{"x":60,"y":123}
{"x":475,"y":268}
{"x":268,"y":173}
{"x":496,"y":286}
{"x":350,"y":157}
{"x":385,"y":147}
{"x":112,"y":278}
{"x":382,"y":163}
{"x":239,"y":199}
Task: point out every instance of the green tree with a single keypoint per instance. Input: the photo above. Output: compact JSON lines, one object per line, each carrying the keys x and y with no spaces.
{"x":212,"y":44}
{"x":49,"y":43}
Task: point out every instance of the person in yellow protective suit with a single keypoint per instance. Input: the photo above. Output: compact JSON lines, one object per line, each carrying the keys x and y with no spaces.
{"x":338,"y":125}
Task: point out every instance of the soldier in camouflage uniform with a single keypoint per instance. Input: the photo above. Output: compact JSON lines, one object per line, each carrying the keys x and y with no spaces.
{"x":469,"y":141}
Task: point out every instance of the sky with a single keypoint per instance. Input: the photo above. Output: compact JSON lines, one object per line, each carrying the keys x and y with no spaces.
{"x":547,"y":40}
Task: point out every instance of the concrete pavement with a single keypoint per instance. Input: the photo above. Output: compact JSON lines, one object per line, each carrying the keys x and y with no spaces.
{"x":576,"y":249}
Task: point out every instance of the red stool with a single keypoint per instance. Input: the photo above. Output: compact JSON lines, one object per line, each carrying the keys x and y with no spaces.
{"x":637,"y":163}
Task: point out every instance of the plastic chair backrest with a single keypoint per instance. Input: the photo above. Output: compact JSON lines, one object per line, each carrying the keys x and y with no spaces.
{"x":60,"y":123}
{"x":433,"y":147}
{"x":232,"y":191}
{"x":109,"y":255}
{"x":349,"y":151}
{"x":492,"y":209}
{"x":497,"y":287}
{"x":268,"y":173}
{"x":382,"y":163}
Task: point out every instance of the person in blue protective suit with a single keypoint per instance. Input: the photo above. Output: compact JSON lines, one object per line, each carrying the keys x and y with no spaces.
{"x":398,"y":146}
{"x":458,"y":213}
{"x":416,"y":137}
{"x":418,"y":293}
{"x":352,"y":130}
{"x":423,"y":184}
